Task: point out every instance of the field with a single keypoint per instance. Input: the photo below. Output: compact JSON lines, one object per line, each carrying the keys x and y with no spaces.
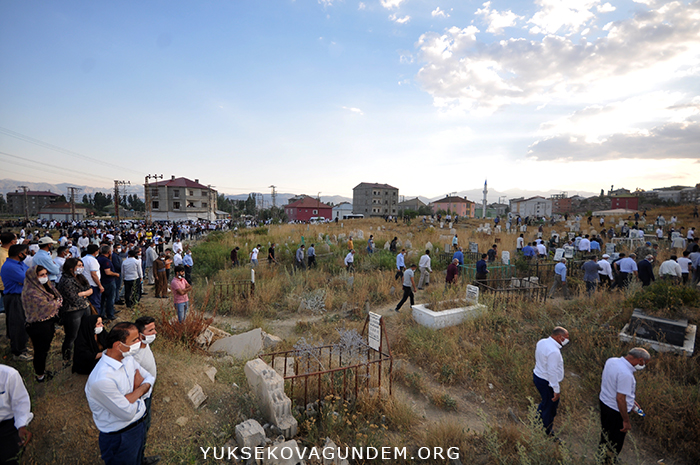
{"x":468,"y":386}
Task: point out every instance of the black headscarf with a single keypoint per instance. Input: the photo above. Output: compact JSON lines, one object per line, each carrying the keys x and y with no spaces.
{"x":86,"y":347}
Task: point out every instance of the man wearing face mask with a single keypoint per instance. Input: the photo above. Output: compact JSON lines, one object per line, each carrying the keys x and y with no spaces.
{"x":617,"y":392}
{"x":548,"y":373}
{"x":115,"y":391}
{"x":43,"y":258}
{"x":13,"y":272}
{"x":147,"y":330}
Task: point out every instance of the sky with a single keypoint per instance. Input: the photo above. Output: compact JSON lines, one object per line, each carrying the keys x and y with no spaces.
{"x":315,"y":96}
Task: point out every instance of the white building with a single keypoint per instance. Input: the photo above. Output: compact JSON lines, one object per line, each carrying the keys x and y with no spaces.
{"x":181,"y":199}
{"x":534,"y":206}
{"x":343,"y":208}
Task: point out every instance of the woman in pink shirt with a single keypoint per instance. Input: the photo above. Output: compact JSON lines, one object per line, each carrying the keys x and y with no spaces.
{"x":180,"y":288}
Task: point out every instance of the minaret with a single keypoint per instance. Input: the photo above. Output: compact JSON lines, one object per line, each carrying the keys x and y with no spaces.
{"x":486,"y":190}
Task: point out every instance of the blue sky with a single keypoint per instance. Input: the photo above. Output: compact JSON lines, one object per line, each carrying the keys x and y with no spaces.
{"x":317,"y":96}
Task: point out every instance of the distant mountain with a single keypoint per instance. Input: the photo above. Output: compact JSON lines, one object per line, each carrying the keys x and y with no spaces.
{"x":10,"y":185}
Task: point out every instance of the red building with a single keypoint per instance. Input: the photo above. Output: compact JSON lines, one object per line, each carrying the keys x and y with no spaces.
{"x":307,"y":208}
{"x":628,"y":202}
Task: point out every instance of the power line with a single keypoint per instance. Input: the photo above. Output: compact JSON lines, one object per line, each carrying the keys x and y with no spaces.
{"x":70,"y":170}
{"x":56,"y":148}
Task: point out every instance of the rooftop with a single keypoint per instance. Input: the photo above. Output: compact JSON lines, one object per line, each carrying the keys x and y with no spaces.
{"x":308,"y":202}
{"x":179,"y":182}
{"x":375,"y":184}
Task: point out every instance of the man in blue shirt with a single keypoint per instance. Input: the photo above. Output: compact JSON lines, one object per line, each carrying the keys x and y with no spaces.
{"x":400,"y":264}
{"x":459,"y":256}
{"x":12,"y":274}
{"x":188,"y":264}
{"x":528,"y":251}
{"x":43,"y":257}
{"x":560,"y":280}
{"x":481,"y":270}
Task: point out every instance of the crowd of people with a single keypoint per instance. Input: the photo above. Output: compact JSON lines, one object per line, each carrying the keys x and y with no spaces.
{"x":75,"y":282}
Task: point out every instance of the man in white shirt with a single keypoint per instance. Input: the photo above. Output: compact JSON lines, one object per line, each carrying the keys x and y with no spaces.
{"x":625,"y":267}
{"x":548,"y":373}
{"x":605,"y":273}
{"x":147,"y":330}
{"x":349,"y":260}
{"x":83,"y":242}
{"x":254,"y":255}
{"x":520,"y":243}
{"x":15,"y":414}
{"x":541,"y":250}
{"x":409,"y":285}
{"x":670,"y":269}
{"x":93,"y":276}
{"x":617,"y":397}
{"x":177,"y":246}
{"x":585,"y":244}
{"x":114,"y":392}
{"x":686,"y":268}
{"x":691,"y":234}
{"x":177,"y":259}
{"x":425,"y":270}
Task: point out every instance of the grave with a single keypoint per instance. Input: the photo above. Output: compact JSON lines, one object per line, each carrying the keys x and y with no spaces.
{"x":473,"y":247}
{"x":451,"y":317}
{"x":558,"y":255}
{"x":387,"y":245}
{"x":661,"y":334}
{"x":505,"y":257}
{"x":448,"y":247}
{"x":609,"y":248}
{"x":429,"y":246}
{"x":568,"y":252}
{"x":408,"y":244}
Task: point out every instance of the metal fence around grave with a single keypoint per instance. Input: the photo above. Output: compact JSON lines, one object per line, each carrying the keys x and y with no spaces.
{"x":469,"y":257}
{"x":334,"y":369}
{"x":496,"y":271}
{"x":544,"y":271}
{"x":507,"y":290}
{"x":239,"y":289}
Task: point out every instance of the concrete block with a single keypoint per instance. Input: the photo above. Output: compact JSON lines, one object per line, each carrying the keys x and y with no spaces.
{"x":211,"y":373}
{"x":242,"y":346}
{"x":286,"y":453}
{"x":270,"y":341}
{"x":688,"y":344}
{"x":205,"y":337}
{"x":250,"y":434}
{"x":268,"y":387}
{"x":196,"y":396}
{"x":445,"y":318}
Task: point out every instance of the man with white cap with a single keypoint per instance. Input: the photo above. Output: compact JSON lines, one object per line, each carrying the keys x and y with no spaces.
{"x":606,"y":276}
{"x":43,"y":257}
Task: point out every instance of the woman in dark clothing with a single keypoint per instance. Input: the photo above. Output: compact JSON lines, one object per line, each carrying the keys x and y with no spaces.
{"x":91,"y":341}
{"x":41,"y":302}
{"x":75,"y":290}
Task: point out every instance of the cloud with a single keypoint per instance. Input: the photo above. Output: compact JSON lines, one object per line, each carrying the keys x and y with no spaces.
{"x":361,"y":6}
{"x":354,"y":110}
{"x":497,"y":20}
{"x":326,"y":3}
{"x":569,"y":15}
{"x":670,"y":140}
{"x":403,"y":20}
{"x":605,"y":8}
{"x":635,"y":53}
{"x":391,"y":4}
{"x":438,"y":12}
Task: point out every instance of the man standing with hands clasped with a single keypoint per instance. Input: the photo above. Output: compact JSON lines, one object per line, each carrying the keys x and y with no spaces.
{"x":548,"y":373}
{"x":617,"y":389}
{"x":114,"y":392}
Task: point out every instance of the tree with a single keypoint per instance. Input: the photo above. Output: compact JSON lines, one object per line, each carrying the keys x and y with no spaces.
{"x":61,"y":198}
{"x":3,"y":203}
{"x":250,"y":205}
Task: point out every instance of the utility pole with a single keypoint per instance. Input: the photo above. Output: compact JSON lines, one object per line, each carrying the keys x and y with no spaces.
{"x":73,"y":192}
{"x":274,"y":196}
{"x":26,"y":202}
{"x":117,"y":198}
{"x":147,"y":196}
{"x":486,"y":191}
{"x":211,"y":207}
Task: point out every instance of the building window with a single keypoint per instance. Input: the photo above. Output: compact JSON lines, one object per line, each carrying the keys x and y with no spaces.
{"x":176,"y":205}
{"x":315,"y":212}
{"x":190,"y":205}
{"x":155,"y":204}
{"x":204,"y":193}
{"x":154,"y":192}
{"x":191,"y":193}
{"x":176,"y":193}
{"x":204,"y":205}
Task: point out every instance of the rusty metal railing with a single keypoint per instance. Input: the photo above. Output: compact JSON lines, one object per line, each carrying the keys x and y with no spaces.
{"x":338,"y":369}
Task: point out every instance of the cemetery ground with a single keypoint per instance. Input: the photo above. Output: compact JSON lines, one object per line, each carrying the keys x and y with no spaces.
{"x":467,"y":386}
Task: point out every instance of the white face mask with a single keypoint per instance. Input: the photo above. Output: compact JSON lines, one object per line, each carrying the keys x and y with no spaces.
{"x":148,"y":339}
{"x":133,"y":348}
{"x":565,"y":342}
{"x":79,"y":270}
{"x":98,"y":329}
{"x":639,"y":367}
{"x":44,"y":280}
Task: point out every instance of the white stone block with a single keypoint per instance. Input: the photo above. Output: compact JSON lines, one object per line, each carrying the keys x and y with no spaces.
{"x":242,"y":346}
{"x":445,"y":318}
{"x":268,"y":387}
{"x":250,"y":434}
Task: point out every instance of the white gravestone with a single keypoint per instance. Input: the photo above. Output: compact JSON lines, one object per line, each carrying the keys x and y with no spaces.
{"x":374,"y":333}
{"x":568,"y":252}
{"x":558,"y":255}
{"x":473,"y":247}
{"x":505,"y":257}
{"x":472,"y":294}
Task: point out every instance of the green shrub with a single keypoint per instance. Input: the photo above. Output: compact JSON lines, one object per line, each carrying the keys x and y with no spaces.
{"x":667,"y":299}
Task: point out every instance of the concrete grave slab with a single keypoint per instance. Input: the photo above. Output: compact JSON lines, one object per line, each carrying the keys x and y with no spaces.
{"x":445,"y":318}
{"x":242,"y":346}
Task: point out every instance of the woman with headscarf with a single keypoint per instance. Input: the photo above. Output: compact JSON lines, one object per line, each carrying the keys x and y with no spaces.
{"x":74,"y":289}
{"x":91,"y":341}
{"x":41,"y":302}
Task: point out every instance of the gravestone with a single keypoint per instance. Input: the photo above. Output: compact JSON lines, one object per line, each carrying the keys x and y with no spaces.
{"x":505,"y":257}
{"x":429,"y":246}
{"x":523,"y":228}
{"x":609,"y":248}
{"x":473,"y":247}
{"x":399,"y":244}
{"x":320,"y":237}
{"x":447,"y":248}
{"x":449,"y":225}
{"x":472,"y":294}
{"x":453,"y":231}
{"x":571,"y":234}
{"x":360,"y":234}
{"x":539,"y":235}
{"x":558,"y":255}
{"x":408,"y":244}
{"x":387,"y":244}
{"x":568,"y":252}
{"x":498,"y":228}
{"x":658,"y":329}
